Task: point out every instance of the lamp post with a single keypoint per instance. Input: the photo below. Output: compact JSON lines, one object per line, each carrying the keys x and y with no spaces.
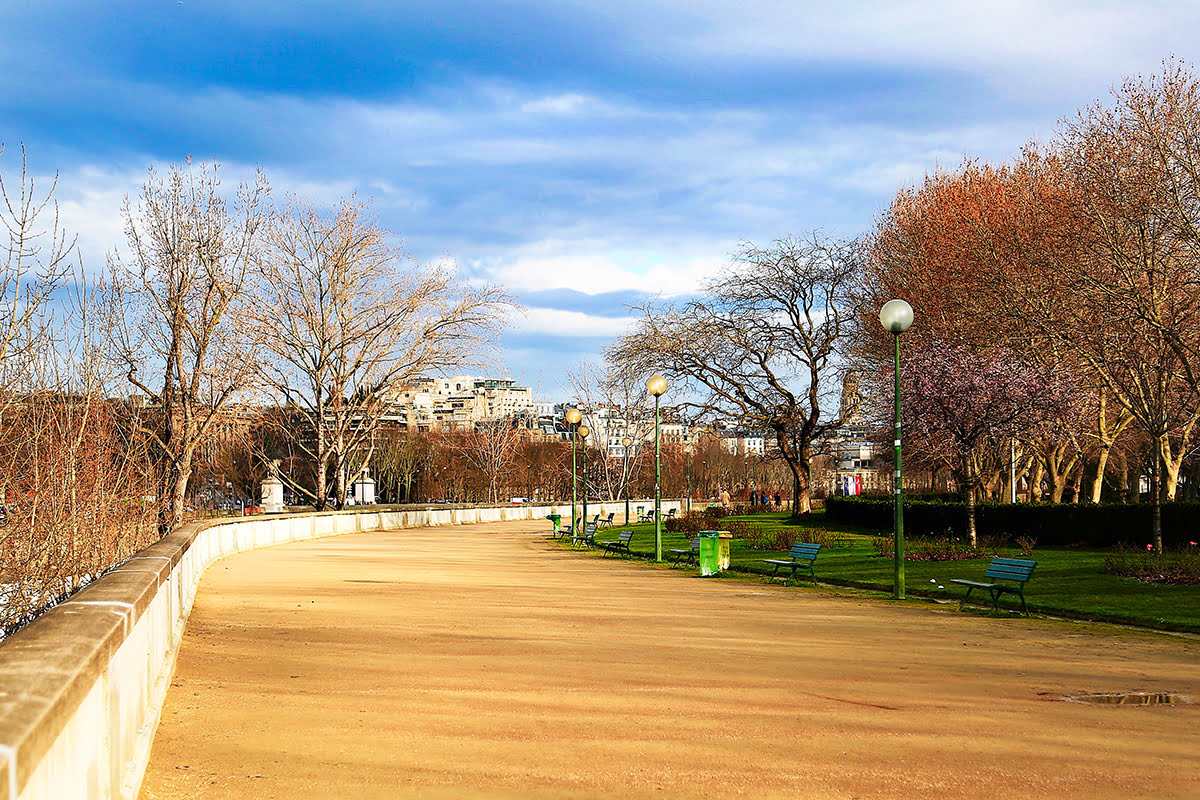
{"x":657,"y":386}
{"x":896,"y":316}
{"x":583,"y":431}
{"x":573,"y":416}
{"x":626,"y":442}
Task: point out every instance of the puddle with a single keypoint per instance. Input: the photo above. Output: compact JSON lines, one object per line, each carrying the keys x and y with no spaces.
{"x":1129,"y":698}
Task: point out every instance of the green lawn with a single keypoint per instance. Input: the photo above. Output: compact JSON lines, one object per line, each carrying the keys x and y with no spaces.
{"x":1068,"y":582}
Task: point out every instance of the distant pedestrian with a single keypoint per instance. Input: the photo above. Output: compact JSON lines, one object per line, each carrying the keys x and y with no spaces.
{"x":778,"y":502}
{"x":725,"y":498}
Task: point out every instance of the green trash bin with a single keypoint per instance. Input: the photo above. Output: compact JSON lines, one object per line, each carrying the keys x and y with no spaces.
{"x":709,"y":552}
{"x":556,"y":521}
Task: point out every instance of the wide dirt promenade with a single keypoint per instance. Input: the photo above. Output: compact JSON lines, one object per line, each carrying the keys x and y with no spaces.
{"x":484,"y":661}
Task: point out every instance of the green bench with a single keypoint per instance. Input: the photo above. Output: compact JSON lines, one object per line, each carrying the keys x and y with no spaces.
{"x":619,"y":545}
{"x":586,"y":538}
{"x":1014,"y":571}
{"x":688,"y":555}
{"x":801,"y":556}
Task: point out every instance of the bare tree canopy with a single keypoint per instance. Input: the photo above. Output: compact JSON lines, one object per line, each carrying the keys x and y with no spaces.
{"x":177,"y":307}
{"x":345,"y":317}
{"x":762,"y":346}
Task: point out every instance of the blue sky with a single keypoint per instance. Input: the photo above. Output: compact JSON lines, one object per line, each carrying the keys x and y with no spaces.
{"x":587,"y":155}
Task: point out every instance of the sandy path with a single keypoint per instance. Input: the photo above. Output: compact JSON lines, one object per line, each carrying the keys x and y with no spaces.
{"x":483,"y":661}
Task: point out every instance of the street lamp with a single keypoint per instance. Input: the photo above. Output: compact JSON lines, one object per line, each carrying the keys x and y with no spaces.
{"x":896,"y":316}
{"x":626,"y":442}
{"x":573,"y":417}
{"x":583,"y":431}
{"x":657,"y":386}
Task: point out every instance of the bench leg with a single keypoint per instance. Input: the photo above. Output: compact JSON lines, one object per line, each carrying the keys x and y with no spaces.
{"x":967,"y":597}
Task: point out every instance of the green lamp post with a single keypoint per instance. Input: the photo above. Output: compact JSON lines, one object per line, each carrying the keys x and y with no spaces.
{"x":626,"y":442}
{"x":657,"y":386}
{"x":583,"y":431}
{"x":896,"y":316}
{"x":573,"y":417}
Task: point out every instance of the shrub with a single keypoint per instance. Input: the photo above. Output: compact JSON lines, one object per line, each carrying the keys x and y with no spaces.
{"x":1092,"y":525}
{"x":691,"y":524}
{"x":937,"y":548}
{"x":1179,"y":567}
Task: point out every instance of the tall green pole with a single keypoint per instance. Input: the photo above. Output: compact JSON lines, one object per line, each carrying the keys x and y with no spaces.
{"x":626,"y":484}
{"x":574,"y":479}
{"x":583,"y":456}
{"x":899,"y":517}
{"x":657,"y":489}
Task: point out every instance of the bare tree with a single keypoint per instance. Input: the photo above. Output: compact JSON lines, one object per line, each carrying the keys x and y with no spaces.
{"x":72,"y":472}
{"x":762,"y":346}
{"x":180,"y":288}
{"x":345,"y":318}
{"x":492,"y":448}
{"x":615,"y":405}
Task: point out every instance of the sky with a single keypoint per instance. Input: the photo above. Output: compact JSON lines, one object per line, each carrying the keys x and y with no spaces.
{"x":589,"y":156}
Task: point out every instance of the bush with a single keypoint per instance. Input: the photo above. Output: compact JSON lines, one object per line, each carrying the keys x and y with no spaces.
{"x":1180,"y":567}
{"x":1102,"y":525}
{"x":938,"y":548}
{"x":690,"y":524}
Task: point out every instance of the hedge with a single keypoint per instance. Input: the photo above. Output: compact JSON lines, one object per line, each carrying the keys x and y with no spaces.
{"x":1090,"y":525}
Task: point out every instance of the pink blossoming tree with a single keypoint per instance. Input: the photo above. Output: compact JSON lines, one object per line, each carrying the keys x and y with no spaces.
{"x":957,"y":401}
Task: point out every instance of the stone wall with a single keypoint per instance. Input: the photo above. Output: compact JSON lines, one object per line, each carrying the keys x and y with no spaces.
{"x":81,"y":687}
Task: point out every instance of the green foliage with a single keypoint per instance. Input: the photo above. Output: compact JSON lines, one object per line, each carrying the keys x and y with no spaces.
{"x":1085,"y":525}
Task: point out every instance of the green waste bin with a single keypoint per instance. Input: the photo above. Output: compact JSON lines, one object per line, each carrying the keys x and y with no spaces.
{"x":556,"y":521}
{"x":709,"y":552}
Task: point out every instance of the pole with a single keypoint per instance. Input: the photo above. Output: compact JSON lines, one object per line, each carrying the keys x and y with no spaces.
{"x":689,"y":482}
{"x":626,"y":484}
{"x":899,"y":520}
{"x":574,"y":478}
{"x":657,"y":489}
{"x":583,"y":458}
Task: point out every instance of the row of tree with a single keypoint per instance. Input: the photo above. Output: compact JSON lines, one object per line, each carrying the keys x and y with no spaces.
{"x":1057,"y":304}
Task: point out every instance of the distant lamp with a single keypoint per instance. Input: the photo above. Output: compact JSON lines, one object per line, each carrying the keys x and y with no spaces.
{"x":583,"y":431}
{"x":573,"y":416}
{"x":657,"y":386}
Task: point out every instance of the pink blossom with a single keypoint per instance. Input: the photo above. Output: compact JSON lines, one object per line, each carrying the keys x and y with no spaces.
{"x":1149,"y":547}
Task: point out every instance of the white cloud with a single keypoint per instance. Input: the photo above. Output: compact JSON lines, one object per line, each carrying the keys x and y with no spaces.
{"x":557,"y":322}
{"x":597,"y":267}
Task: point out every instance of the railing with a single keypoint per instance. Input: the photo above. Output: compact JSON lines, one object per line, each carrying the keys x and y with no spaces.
{"x":81,"y":687}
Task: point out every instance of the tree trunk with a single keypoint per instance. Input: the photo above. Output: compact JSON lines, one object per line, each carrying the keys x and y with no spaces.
{"x":971,"y":516}
{"x":1154,"y":489}
{"x":1101,"y":467}
{"x":1035,"y":482}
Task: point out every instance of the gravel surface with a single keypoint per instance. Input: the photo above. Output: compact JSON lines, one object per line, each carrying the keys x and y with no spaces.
{"x":485,"y":661}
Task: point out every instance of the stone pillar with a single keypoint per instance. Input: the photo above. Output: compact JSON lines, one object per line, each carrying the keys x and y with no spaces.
{"x":272,"y":495}
{"x":364,"y":489}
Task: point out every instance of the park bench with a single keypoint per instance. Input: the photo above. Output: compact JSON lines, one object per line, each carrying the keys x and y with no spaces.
{"x":1016,"y":571}
{"x":645,"y":517}
{"x":607,"y":521}
{"x":620,"y":545}
{"x":688,"y":555}
{"x":587,"y":538}
{"x":801,"y":556}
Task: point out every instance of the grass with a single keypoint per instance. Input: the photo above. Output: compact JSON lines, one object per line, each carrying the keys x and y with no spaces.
{"x":1068,"y":582}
